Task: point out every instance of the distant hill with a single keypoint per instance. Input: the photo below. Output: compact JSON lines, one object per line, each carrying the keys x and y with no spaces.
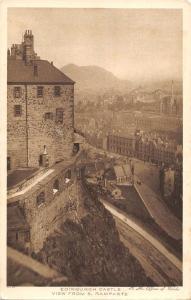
{"x":95,"y":79}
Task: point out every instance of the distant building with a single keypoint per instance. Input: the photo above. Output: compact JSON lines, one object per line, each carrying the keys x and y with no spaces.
{"x":158,"y":123}
{"x":171,"y":188}
{"x":40,"y":108}
{"x":155,"y":150}
{"x":124,"y":145}
{"x":171,"y":105}
{"x":147,"y":147}
{"x":119,"y":174}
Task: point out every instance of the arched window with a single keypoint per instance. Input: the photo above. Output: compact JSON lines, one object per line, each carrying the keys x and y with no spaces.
{"x":40,"y":199}
{"x":56,"y":186}
{"x":68,"y":176}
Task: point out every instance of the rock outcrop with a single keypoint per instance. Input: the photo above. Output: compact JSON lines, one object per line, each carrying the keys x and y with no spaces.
{"x":87,"y":249}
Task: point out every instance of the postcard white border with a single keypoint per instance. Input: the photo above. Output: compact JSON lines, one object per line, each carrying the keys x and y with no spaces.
{"x":183,"y":292}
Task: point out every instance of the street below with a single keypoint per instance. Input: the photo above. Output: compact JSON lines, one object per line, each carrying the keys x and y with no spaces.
{"x":159,"y":264}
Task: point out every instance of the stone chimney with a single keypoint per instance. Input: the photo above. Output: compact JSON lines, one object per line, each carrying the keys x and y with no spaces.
{"x":28,"y":46}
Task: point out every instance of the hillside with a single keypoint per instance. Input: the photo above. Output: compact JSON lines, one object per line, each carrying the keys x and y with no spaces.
{"x":94,"y":79}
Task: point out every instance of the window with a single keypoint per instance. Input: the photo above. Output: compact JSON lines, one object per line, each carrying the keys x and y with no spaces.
{"x":39,"y":91}
{"x":57,"y":91}
{"x":48,"y":116}
{"x":68,"y":176}
{"x":56,"y":186}
{"x":59,"y":115}
{"x":17,"y":92}
{"x":40,"y":198}
{"x":27,"y":236}
{"x":18,"y":110}
{"x":76,"y":148}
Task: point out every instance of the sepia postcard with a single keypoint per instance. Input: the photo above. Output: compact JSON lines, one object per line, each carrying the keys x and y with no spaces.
{"x":95,"y":149}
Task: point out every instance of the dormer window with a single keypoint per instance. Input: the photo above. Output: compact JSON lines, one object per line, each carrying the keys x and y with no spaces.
{"x":17,"y":92}
{"x":57,"y":91}
{"x":40,"y":91}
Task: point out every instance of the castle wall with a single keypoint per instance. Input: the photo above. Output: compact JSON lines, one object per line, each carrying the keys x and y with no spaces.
{"x":32,"y":134}
{"x":45,"y":218}
{"x":59,"y":201}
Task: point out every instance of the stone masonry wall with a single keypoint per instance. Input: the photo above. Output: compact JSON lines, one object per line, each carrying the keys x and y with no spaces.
{"x":44,"y":219}
{"x":58,"y":138}
{"x":16,"y":129}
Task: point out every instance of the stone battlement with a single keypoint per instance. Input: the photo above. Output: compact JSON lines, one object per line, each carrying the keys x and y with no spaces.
{"x":45,"y":200}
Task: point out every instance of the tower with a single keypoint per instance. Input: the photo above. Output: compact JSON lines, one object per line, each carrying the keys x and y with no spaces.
{"x":33,"y":122}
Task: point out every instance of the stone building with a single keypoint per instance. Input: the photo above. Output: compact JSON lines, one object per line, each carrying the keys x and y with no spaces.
{"x":155,"y":150}
{"x":119,"y":174}
{"x":165,"y":123}
{"x":124,"y":145}
{"x":144,"y":147}
{"x":40,"y":108}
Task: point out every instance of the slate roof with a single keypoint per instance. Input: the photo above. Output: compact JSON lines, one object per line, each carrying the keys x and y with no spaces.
{"x":19,"y":72}
{"x":110,"y":174}
{"x":118,"y":172}
{"x":127,"y":170}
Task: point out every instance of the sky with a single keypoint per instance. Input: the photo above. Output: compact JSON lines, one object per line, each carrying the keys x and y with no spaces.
{"x":134,"y":44}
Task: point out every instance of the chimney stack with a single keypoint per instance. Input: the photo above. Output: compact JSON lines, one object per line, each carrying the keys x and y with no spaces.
{"x":28,"y":47}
